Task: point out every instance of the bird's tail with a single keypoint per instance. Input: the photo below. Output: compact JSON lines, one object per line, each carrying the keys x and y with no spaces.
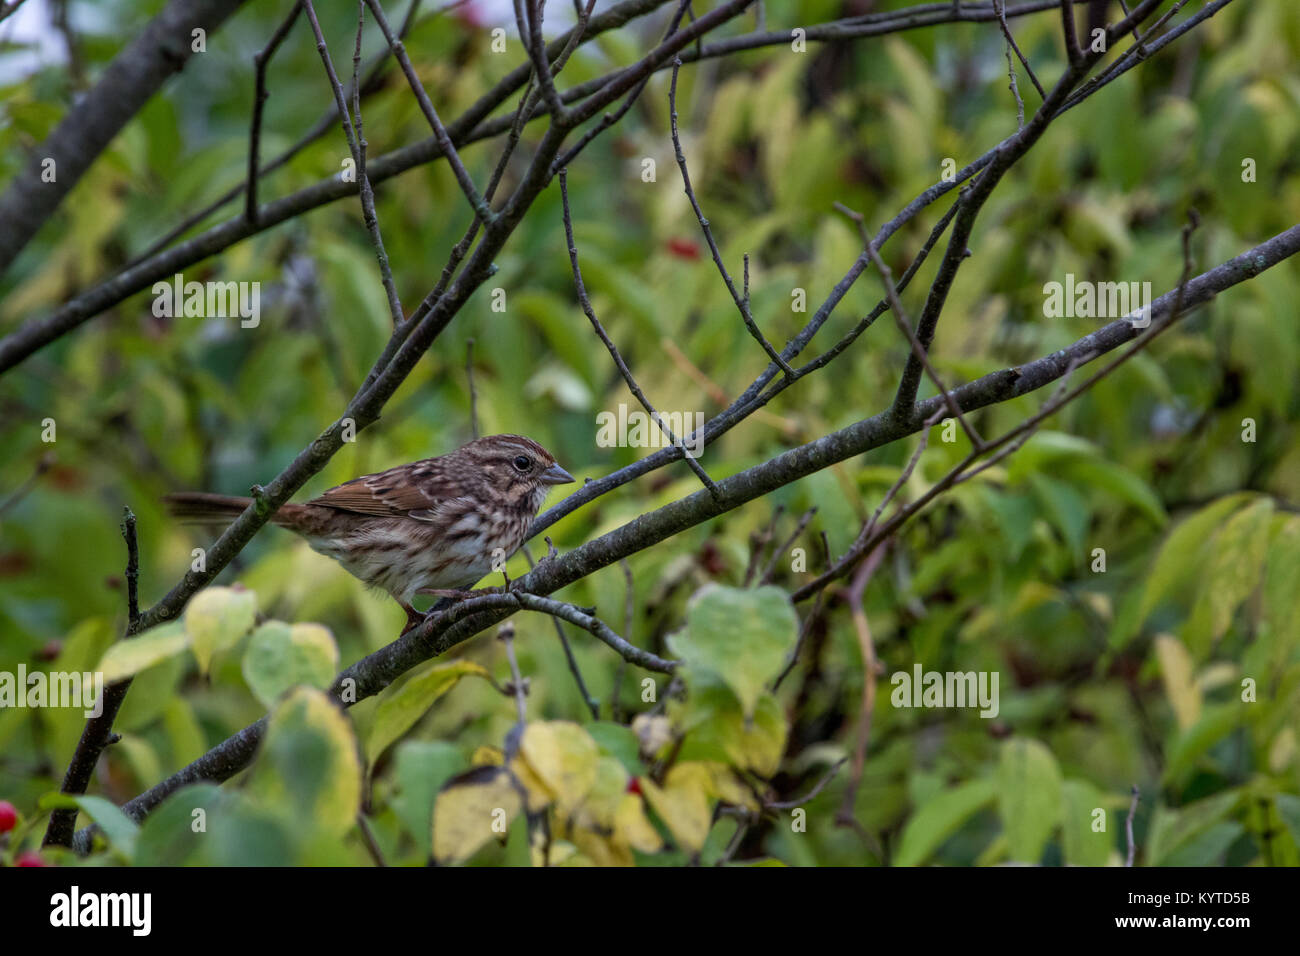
{"x":199,"y":506}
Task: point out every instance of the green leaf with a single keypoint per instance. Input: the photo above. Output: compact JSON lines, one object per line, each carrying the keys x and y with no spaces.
{"x":172,"y":834}
{"x":243,"y":833}
{"x":127,"y":658}
{"x":1114,"y":478}
{"x":1171,"y":828}
{"x":422,"y":768}
{"x":184,"y":734}
{"x":308,"y":765}
{"x":216,"y":619}
{"x":1084,"y":846}
{"x":941,"y":817}
{"x":619,"y":742}
{"x":740,"y":636}
{"x":120,"y":829}
{"x":1066,"y":509}
{"x":1180,"y":556}
{"x":1235,"y":568}
{"x":1207,"y":847}
{"x":1029,"y":797}
{"x":401,"y":705}
{"x":1288,"y":809}
{"x":280,"y":656}
{"x":1281,"y":618}
{"x":1214,"y":724}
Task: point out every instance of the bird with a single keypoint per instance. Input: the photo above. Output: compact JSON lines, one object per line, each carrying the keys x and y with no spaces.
{"x":428,"y":526}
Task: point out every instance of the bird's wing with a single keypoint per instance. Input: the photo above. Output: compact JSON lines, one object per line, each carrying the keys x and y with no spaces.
{"x":393,"y":493}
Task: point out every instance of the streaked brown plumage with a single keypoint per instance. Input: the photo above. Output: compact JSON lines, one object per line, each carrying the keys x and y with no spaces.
{"x":435,"y":524}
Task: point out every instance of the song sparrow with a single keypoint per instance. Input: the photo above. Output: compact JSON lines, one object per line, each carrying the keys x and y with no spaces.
{"x":441,"y":523}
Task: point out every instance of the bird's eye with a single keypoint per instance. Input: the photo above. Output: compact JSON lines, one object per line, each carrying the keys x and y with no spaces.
{"x":523,"y":463}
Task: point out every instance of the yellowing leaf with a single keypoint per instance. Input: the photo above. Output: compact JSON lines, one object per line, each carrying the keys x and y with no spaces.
{"x":715,"y":729}
{"x":402,"y":705}
{"x":1176,"y":672}
{"x":563,"y":756}
{"x":683,"y":803}
{"x":215,"y":619}
{"x":633,"y":827}
{"x":726,"y":786}
{"x":129,"y":657}
{"x":538,"y":793}
{"x":472,"y":809}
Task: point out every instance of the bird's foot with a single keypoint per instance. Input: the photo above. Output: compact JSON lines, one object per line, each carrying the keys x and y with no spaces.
{"x":414,"y":618}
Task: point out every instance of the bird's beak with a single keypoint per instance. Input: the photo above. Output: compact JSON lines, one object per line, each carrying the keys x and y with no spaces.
{"x":555,"y":475}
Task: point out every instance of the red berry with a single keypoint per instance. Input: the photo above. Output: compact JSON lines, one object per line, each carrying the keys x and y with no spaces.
{"x":634,"y":786}
{"x":8,"y":816}
{"x":30,"y":858}
{"x":683,"y":248}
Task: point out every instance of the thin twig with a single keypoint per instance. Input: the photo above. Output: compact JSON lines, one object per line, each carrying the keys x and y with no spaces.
{"x":43,"y":464}
{"x":477,"y":203}
{"x":812,"y":794}
{"x":1001,"y":7}
{"x":585,"y":302}
{"x":1012,"y":84}
{"x":366,"y":190}
{"x":356,"y":146}
{"x":10,"y":8}
{"x":372,"y":82}
{"x":1128,"y":827}
{"x":857,"y":605}
{"x":506,"y":635}
{"x":260,"y":61}
{"x":592,"y":704}
{"x":1071,"y":41}
{"x":616,"y":712}
{"x":368,"y":838}
{"x":808,"y":622}
{"x":757,"y":542}
{"x":781,"y":550}
{"x":1016,"y":437}
{"x":905,"y":326}
{"x":742,"y":303}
